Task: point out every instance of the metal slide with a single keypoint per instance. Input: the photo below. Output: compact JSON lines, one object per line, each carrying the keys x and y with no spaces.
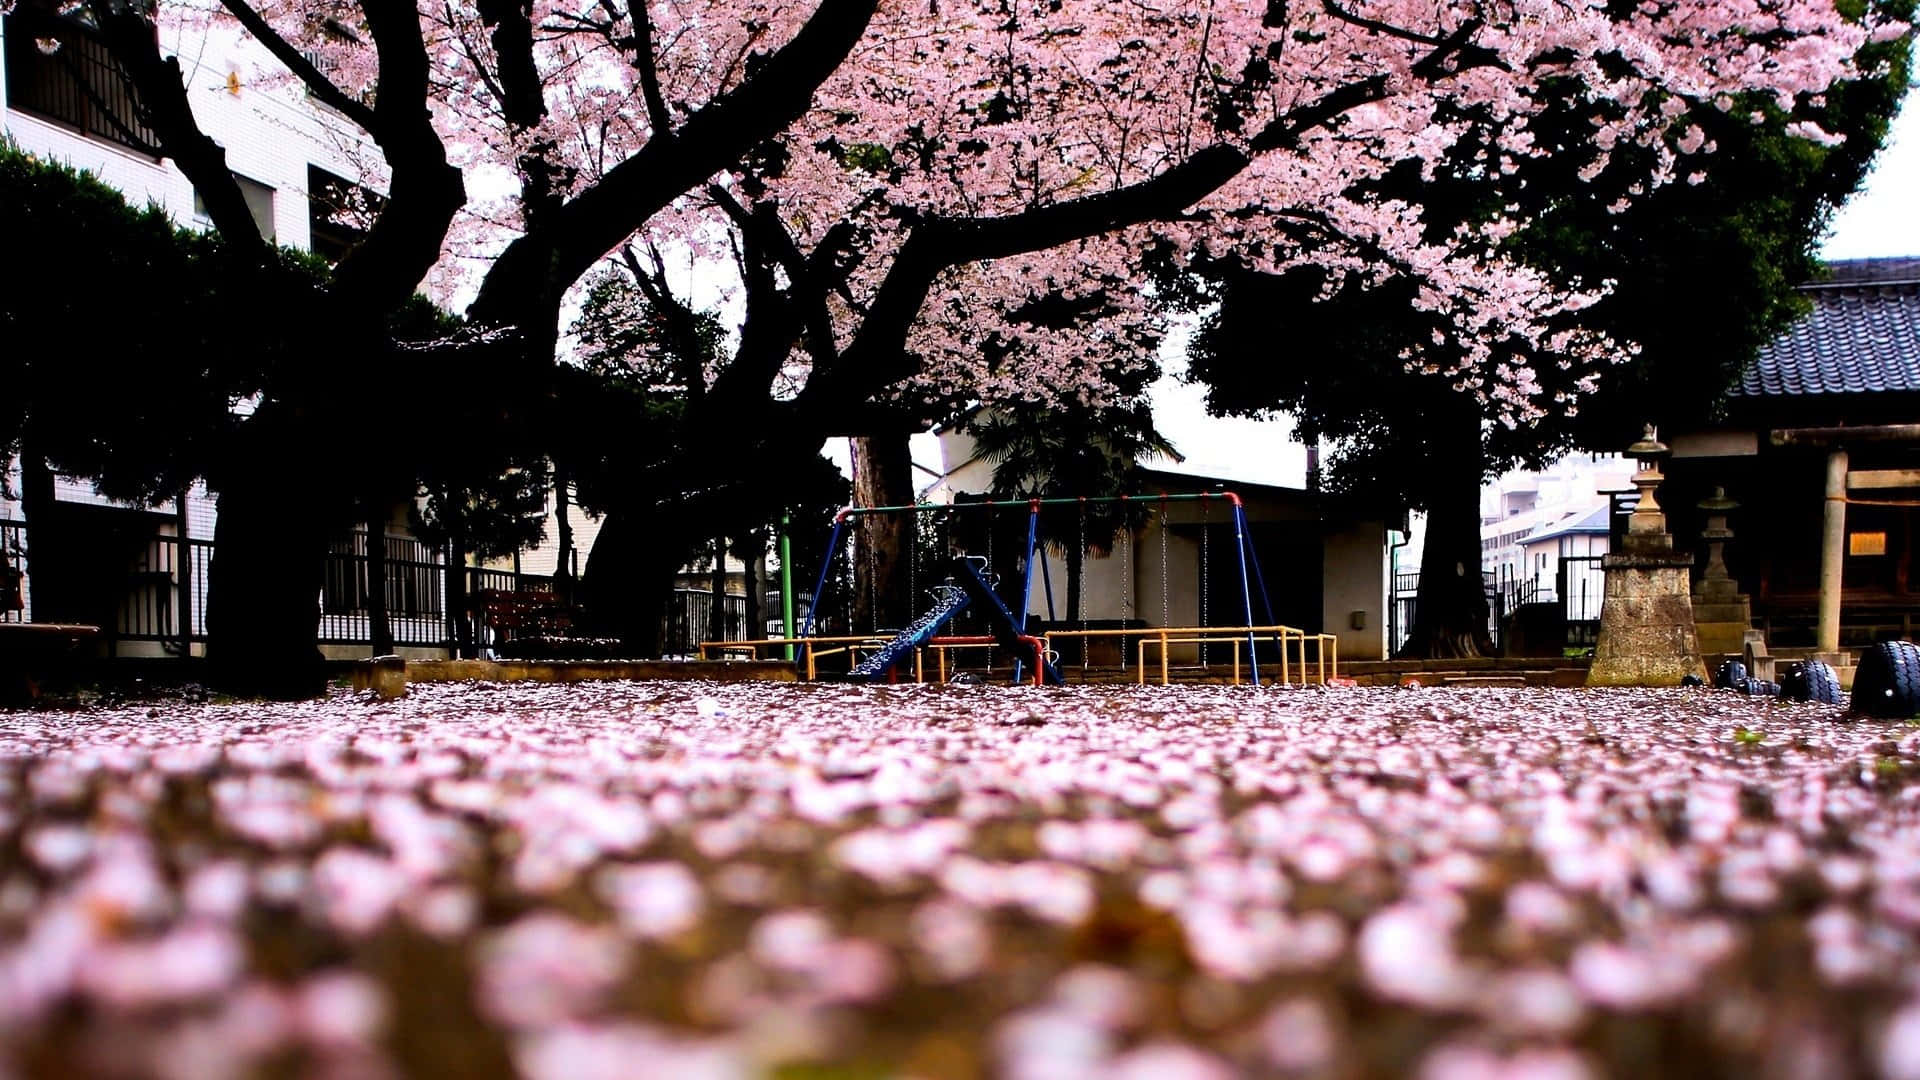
{"x":965,"y":586}
{"x":1006,"y":629}
{"x":950,"y":600}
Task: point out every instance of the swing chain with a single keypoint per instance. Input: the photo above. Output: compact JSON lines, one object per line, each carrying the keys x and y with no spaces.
{"x":1205,"y":582}
{"x":1083,"y":585}
{"x":992,"y":575}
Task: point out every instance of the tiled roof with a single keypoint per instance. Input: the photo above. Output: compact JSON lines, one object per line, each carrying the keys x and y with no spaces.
{"x":1862,"y":337}
{"x":1593,"y":521}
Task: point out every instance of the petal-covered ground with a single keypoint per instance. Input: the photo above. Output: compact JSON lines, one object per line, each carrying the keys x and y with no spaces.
{"x":688,"y":880}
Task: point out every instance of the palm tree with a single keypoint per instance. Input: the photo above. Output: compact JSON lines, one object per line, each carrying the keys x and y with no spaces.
{"x":1096,"y":453}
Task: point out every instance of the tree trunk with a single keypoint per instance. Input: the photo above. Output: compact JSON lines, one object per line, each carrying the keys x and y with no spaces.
{"x":753,"y":561}
{"x":717,"y":582}
{"x":379,"y":628}
{"x":563,"y":560}
{"x":459,"y":596}
{"x":1450,"y":612}
{"x":263,"y":588}
{"x":883,"y":549}
{"x":629,"y":579}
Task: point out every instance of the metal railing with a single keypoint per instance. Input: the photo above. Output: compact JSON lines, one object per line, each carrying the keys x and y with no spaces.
{"x":77,"y":83}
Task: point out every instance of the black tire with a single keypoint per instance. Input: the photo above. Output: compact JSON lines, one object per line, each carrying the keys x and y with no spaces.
{"x":1730,"y":676}
{"x":1692,"y":681}
{"x":1814,"y":681}
{"x":1758,"y":688}
{"x":1887,"y":683}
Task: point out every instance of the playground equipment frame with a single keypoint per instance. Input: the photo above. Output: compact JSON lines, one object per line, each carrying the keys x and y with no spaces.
{"x":1243,"y":549}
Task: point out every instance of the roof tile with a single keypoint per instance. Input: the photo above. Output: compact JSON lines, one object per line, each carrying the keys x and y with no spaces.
{"x":1862,"y":336}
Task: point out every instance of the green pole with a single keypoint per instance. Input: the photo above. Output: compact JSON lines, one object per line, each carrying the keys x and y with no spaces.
{"x":786,"y":580}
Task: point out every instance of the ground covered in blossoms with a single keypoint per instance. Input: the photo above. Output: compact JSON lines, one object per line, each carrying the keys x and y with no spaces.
{"x":688,"y":880}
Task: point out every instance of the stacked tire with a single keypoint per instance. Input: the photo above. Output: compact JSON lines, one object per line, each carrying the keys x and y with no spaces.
{"x":1813,"y":680}
{"x":1887,"y":682}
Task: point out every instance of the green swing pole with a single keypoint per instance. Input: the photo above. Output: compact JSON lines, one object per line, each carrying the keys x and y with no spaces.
{"x":786,"y":579}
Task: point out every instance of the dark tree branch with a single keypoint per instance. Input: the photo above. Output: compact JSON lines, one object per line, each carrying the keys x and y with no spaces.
{"x":426,"y":191}
{"x":535,"y":269}
{"x":649,"y":67}
{"x":688,"y":351}
{"x":1456,"y":43}
{"x":310,"y":76}
{"x":878,"y":357}
{"x":522,"y":102}
{"x":163,"y":96}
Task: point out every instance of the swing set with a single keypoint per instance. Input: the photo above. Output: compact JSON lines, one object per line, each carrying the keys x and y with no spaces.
{"x":969,"y":588}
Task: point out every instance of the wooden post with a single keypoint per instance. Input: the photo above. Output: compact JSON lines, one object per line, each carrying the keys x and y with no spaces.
{"x":1833,"y":553}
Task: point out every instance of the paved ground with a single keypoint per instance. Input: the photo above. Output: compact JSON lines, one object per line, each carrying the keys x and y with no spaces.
{"x":634,"y":879}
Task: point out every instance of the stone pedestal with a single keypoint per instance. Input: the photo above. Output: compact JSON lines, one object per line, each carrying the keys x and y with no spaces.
{"x":1647,"y":636}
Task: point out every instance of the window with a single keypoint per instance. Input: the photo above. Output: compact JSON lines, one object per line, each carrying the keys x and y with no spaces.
{"x":259,"y":201}
{"x":58,"y":68}
{"x":339,"y":213}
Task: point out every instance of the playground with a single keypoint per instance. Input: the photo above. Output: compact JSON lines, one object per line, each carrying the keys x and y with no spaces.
{"x":983,"y":615}
{"x":814,"y":880}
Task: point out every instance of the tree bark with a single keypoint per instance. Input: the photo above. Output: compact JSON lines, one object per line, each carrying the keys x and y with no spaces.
{"x":459,"y":597}
{"x":563,"y":557}
{"x":263,"y":589}
{"x":379,"y":626}
{"x":717,"y":582}
{"x":1450,"y":612}
{"x":753,"y":561}
{"x":629,"y":579}
{"x":883,"y":548}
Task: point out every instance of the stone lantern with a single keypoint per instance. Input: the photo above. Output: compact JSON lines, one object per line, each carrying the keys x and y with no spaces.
{"x":1647,"y":527}
{"x":1721,"y":613}
{"x":1647,"y":635}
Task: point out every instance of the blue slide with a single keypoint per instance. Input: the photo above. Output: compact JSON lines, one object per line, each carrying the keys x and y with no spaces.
{"x":951,"y":599}
{"x":1000,"y":620}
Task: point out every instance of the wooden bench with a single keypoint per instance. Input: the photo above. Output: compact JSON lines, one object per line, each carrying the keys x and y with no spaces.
{"x":31,"y":651}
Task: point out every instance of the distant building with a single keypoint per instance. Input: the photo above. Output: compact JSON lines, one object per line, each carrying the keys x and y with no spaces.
{"x":1323,"y":558}
{"x":141,"y":572}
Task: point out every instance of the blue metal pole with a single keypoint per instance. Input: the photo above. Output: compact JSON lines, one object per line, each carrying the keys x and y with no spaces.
{"x":1242,"y":543}
{"x":1026,"y":586}
{"x":820,"y":585}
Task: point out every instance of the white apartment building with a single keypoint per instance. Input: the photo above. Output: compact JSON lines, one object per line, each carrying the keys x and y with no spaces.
{"x":300,"y":166}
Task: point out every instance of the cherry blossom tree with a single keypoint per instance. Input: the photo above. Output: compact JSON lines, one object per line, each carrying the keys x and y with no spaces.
{"x":925,"y":202}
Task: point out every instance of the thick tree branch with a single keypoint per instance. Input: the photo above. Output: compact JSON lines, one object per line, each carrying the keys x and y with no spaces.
{"x":129,"y":35}
{"x":425,"y":191}
{"x":511,"y":21}
{"x":535,"y":269}
{"x":1457,"y":43}
{"x":296,"y":62}
{"x":649,"y":68}
{"x":878,"y":356}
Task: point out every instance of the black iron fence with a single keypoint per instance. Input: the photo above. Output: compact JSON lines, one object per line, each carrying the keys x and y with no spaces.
{"x":164,"y":601}
{"x":1577,"y":585}
{"x":59,"y":68}
{"x":15,"y":603}
{"x":689,"y":621}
